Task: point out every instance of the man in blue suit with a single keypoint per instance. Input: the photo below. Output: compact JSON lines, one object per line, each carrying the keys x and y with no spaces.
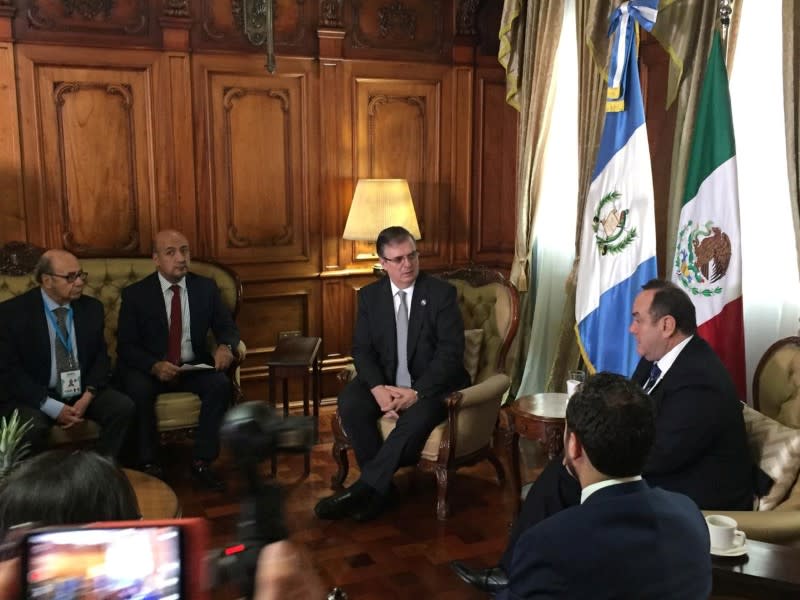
{"x":660,"y":537}
{"x":164,"y":322}
{"x":418,"y":314}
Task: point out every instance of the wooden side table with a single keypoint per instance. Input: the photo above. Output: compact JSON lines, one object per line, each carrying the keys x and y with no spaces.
{"x":539,"y":417}
{"x":766,"y":571}
{"x":296,"y":357}
{"x":156,"y":499}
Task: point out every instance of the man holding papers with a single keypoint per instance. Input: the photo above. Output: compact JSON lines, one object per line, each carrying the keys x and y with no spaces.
{"x":164,"y":321}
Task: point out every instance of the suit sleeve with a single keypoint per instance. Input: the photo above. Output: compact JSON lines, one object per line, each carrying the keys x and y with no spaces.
{"x":534,"y":573}
{"x":130,"y":347}
{"x":684,"y":427}
{"x":17,"y":384}
{"x":98,"y":372}
{"x":447,"y":366}
{"x":222,"y":323}
{"x":365,"y":354}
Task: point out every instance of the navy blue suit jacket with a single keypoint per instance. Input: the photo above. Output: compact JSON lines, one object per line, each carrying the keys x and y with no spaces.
{"x":435,"y":337}
{"x":25,"y":346}
{"x":143,"y":332}
{"x":626,"y":541}
{"x":701,"y":445}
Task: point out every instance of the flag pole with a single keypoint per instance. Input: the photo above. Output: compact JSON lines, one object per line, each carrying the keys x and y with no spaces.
{"x":725,"y":11}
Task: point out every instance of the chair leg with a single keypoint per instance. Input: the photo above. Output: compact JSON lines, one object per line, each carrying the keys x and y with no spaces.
{"x":498,"y":466}
{"x":340,"y":456}
{"x":442,"y":500}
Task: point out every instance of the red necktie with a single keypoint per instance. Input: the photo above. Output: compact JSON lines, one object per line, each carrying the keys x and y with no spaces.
{"x":175,"y":327}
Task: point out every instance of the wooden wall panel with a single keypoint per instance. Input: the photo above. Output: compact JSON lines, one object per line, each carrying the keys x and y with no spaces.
{"x":12,"y":204}
{"x":494,"y":171}
{"x":260,"y":161}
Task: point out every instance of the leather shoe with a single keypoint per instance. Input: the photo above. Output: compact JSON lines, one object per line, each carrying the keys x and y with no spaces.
{"x":371,"y":508}
{"x":341,"y":505}
{"x":489,"y":580}
{"x":204,"y":475}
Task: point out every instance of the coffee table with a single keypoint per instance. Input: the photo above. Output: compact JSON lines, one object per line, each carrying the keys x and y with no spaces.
{"x":156,"y":499}
{"x":539,"y":417}
{"x":766,"y":571}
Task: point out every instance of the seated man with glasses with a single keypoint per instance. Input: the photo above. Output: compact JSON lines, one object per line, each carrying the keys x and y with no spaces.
{"x":408,"y":349}
{"x":54,"y":366}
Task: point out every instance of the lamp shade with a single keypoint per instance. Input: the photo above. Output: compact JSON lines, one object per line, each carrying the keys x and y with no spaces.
{"x":378,"y":204}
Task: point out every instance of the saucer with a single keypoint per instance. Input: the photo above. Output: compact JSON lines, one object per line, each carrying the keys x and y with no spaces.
{"x":735,"y":551}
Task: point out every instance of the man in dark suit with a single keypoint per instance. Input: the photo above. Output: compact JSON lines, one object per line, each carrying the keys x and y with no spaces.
{"x":661,"y":536}
{"x":408,"y":384}
{"x":164,"y":321}
{"x":700,"y":446}
{"x":53,"y":360}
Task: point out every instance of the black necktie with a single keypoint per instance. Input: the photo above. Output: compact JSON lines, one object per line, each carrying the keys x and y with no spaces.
{"x":655,"y":373}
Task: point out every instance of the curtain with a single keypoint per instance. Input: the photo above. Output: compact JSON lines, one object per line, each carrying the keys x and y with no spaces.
{"x":529,"y":33}
{"x":791,"y":95}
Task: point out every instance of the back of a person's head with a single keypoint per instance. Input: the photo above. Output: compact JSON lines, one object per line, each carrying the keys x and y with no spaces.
{"x":669,"y":299}
{"x":63,"y":487}
{"x":615,"y":423}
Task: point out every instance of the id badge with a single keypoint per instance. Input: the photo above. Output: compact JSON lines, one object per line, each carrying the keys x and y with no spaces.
{"x":69,"y":383}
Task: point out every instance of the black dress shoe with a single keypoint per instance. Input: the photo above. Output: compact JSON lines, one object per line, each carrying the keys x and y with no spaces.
{"x":342,"y":504}
{"x":489,"y":580}
{"x":371,"y":508}
{"x":204,"y":475}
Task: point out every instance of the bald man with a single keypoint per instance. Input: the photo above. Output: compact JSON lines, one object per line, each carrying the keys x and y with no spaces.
{"x":164,"y":322}
{"x":54,"y":366}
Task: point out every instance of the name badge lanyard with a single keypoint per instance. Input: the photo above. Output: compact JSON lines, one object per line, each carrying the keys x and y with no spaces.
{"x":64,"y":341}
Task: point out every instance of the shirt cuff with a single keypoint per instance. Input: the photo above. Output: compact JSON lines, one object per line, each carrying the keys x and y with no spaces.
{"x":52,"y":408}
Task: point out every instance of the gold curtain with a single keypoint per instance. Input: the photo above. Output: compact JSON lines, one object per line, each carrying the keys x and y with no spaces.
{"x":791,"y":95}
{"x":593,"y":46}
{"x":529,"y":34}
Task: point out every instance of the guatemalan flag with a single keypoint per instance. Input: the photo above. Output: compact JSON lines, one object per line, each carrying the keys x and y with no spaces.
{"x":618,"y":239}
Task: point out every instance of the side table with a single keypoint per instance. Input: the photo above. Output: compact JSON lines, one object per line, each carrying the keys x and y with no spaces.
{"x":296,"y":357}
{"x":766,"y":571}
{"x":156,"y":499}
{"x":539,"y":417}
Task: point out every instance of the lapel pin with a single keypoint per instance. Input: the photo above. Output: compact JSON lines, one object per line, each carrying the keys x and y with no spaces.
{"x":423,"y":302}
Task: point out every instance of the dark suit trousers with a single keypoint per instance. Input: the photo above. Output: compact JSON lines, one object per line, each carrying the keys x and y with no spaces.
{"x":214,"y":390}
{"x":554,"y":490}
{"x":377,"y":458}
{"x":110,"y":409}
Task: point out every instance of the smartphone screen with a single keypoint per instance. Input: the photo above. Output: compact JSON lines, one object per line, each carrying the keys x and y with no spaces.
{"x":126,"y":562}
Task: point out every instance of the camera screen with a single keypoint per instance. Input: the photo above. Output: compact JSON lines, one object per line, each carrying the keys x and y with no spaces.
{"x":131,"y":562}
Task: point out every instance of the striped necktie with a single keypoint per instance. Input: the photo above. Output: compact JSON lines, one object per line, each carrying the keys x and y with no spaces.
{"x":402,"y":376}
{"x":655,"y":373}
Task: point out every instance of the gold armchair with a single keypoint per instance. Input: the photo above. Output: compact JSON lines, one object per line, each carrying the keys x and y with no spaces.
{"x":489,"y":306}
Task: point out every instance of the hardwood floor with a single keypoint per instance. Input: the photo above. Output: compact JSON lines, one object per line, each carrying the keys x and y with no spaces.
{"x":403,"y":554}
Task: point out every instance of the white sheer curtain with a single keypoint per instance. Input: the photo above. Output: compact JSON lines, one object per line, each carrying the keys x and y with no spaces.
{"x":770,"y":281}
{"x":554,"y":229}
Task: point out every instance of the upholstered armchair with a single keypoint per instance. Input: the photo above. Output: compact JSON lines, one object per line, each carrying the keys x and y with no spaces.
{"x":489,"y":306}
{"x":774,"y":433}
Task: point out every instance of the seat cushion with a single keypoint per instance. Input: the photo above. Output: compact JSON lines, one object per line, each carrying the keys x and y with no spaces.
{"x":177,"y":410}
{"x":776,"y":449}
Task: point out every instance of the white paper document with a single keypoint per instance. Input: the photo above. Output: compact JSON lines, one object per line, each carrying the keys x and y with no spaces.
{"x":198,"y":367}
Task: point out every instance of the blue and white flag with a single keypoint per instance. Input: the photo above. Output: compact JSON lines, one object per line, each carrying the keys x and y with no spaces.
{"x":618,"y":240}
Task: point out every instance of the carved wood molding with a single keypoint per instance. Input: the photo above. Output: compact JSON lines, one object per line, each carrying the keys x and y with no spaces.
{"x":290,"y":39}
{"x":177,"y":9}
{"x":330,"y":13}
{"x":286,"y":234}
{"x":90,"y":11}
{"x":61,"y":90}
{"x":397,"y":21}
{"x":465,"y":17}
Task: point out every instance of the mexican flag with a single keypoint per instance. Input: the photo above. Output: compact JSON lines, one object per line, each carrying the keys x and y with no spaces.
{"x":708,"y":264}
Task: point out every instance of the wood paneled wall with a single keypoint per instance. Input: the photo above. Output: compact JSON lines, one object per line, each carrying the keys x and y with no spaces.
{"x":120,"y":118}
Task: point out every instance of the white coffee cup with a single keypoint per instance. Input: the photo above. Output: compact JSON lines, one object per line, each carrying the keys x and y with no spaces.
{"x":723,"y":533}
{"x":574,"y":379}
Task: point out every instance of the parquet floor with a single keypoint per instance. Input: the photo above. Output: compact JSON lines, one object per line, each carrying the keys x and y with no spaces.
{"x":403,"y":554}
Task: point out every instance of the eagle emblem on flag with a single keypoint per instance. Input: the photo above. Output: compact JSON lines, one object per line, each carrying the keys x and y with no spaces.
{"x":703,"y":257}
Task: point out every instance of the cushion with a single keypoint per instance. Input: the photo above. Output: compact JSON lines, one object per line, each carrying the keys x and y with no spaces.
{"x":776,"y":449}
{"x":473,"y":342}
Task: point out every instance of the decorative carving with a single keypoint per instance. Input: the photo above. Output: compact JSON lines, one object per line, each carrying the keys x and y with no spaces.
{"x":465,"y":19}
{"x":219,"y":34}
{"x":285,"y":236}
{"x":397,"y":15}
{"x":124,"y":91}
{"x":89,"y":9}
{"x":177,"y":8}
{"x":330,"y":13}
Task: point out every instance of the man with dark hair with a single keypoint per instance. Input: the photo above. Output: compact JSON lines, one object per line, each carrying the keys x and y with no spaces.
{"x":54,"y":366}
{"x":164,"y":322}
{"x":700,"y":447}
{"x":661,"y":535}
{"x":408,"y":349}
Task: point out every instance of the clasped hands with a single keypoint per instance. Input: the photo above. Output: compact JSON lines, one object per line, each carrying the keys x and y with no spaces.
{"x":167,"y":371}
{"x":72,"y":415}
{"x":393,"y":399}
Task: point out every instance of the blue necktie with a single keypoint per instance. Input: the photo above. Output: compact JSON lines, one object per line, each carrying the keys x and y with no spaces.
{"x":655,"y":373}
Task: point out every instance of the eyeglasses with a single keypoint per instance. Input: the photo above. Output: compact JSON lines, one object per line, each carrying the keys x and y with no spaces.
{"x":398,"y":260}
{"x":71,"y":277}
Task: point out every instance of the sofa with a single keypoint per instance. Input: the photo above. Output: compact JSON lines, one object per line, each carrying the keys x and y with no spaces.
{"x":773,"y":427}
{"x":489,"y":306}
{"x":107,"y":277}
